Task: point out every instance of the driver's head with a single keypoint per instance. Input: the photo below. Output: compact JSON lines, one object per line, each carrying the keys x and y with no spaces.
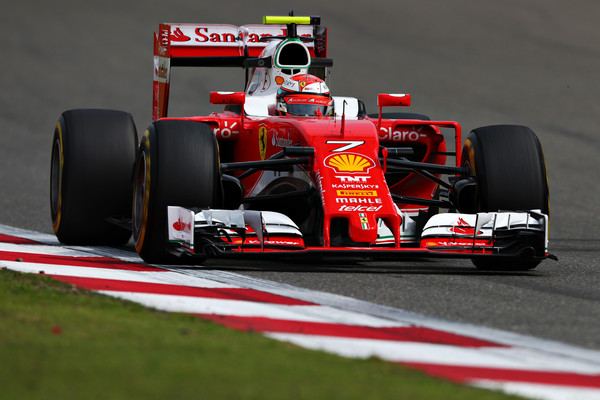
{"x":304,"y":94}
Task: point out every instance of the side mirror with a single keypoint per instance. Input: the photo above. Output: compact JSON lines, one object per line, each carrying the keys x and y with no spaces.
{"x":231,"y":98}
{"x":391,"y":100}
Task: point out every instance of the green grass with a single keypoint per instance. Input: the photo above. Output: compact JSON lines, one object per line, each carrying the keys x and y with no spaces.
{"x":58,"y":341}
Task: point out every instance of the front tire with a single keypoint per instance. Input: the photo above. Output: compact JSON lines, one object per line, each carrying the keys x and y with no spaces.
{"x":177,"y":165}
{"x":508,"y":164}
{"x":93,"y":154}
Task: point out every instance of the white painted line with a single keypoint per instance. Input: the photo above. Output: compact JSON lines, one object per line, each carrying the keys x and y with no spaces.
{"x":413,"y":352}
{"x":240,"y":308}
{"x":539,"y":391}
{"x":164,"y":277}
{"x":31,"y":235}
{"x":44,"y":249}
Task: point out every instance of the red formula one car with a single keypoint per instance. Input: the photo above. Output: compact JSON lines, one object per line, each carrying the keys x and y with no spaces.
{"x":287,"y":169}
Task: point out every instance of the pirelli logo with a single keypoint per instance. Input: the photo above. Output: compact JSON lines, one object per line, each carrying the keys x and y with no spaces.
{"x":357,"y":193}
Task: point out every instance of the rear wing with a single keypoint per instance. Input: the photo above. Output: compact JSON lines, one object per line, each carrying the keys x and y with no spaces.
{"x":218,"y":45}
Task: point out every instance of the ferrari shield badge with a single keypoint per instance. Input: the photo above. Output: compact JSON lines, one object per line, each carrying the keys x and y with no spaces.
{"x":262,"y":141}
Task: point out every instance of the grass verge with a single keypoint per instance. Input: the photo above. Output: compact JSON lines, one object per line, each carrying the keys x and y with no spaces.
{"x":58,"y":341}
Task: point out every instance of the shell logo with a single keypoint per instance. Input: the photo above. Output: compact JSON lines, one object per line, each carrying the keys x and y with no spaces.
{"x":349,"y":162}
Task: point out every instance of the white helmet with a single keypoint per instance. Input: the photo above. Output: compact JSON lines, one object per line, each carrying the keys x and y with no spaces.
{"x":304,"y":94}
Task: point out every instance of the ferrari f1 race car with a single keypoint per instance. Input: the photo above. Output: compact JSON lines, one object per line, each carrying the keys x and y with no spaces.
{"x":287,"y":169}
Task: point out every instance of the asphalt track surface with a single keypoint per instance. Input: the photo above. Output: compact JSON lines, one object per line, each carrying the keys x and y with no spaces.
{"x":532,"y":62}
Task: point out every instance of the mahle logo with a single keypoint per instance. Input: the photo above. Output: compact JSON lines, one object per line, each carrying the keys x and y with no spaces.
{"x":349,"y":162}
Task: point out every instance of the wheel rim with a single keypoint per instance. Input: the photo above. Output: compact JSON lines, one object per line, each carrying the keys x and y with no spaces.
{"x":140,"y":195}
{"x":55,"y":180}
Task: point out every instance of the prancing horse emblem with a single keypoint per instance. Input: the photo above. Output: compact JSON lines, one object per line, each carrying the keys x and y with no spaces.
{"x":262,"y":141}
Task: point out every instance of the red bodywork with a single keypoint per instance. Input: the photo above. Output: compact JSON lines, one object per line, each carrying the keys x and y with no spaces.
{"x":346,"y":168}
{"x":349,"y":168}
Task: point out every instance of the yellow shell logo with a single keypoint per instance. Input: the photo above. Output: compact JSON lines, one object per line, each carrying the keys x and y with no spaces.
{"x":348,"y":162}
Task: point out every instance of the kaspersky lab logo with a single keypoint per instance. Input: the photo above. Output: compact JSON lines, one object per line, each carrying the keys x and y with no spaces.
{"x":349,"y":162}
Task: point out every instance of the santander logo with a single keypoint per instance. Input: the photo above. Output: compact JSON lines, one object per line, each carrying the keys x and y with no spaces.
{"x":178,"y":36}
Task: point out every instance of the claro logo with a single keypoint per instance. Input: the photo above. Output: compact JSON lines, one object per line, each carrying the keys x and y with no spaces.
{"x":400,"y":136}
{"x":349,"y":162}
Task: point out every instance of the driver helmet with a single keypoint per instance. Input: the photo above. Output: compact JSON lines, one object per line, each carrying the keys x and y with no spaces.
{"x":304,"y":95}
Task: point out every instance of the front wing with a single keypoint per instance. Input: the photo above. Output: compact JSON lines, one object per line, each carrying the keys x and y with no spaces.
{"x":265,"y":233}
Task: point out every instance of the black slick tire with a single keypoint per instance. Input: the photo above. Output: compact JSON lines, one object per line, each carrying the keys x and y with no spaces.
{"x":93,"y":154}
{"x":508,"y":163}
{"x":177,"y":165}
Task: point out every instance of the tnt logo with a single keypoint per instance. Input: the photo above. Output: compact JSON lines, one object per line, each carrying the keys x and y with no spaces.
{"x":353,"y":179}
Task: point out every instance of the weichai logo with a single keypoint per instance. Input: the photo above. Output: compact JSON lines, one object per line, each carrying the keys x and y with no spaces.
{"x":349,"y":162}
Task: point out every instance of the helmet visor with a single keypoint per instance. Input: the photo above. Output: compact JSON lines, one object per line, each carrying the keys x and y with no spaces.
{"x":320,"y":106}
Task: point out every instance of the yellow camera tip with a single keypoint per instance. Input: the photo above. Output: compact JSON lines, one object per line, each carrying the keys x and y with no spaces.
{"x":286,"y":20}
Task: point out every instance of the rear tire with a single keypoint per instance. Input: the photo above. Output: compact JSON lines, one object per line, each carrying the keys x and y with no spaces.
{"x":177,"y":165}
{"x":93,"y":153}
{"x":508,"y":163}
